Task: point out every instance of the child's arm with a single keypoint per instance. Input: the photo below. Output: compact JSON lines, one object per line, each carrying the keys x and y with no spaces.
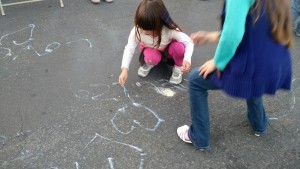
{"x":129,"y":49}
{"x":232,"y":32}
{"x":203,"y":37}
{"x":127,"y":57}
{"x":231,"y":36}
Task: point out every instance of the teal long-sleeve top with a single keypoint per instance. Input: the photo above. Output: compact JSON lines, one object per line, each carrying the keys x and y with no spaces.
{"x":233,"y":30}
{"x":253,"y":63}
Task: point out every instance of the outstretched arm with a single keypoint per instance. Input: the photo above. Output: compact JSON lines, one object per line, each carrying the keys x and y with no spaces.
{"x":233,"y":30}
{"x":127,"y":57}
{"x":203,"y":37}
{"x":236,"y":12}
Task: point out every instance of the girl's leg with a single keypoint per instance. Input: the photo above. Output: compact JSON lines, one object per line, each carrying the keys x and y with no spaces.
{"x":176,"y":51}
{"x":152,"y":56}
{"x":256,"y":115}
{"x":199,"y":132}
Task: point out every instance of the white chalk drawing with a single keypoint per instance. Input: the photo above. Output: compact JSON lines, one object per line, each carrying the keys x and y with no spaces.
{"x":120,"y":115}
{"x":29,"y":37}
{"x":2,"y":52}
{"x":26,"y":33}
{"x":4,"y":139}
{"x":96,"y":92}
{"x":110,"y":160}
{"x":165,"y":91}
{"x":90,"y":91}
{"x":24,"y":154}
{"x":111,"y":164}
{"x":77,"y":165}
{"x":124,"y":115}
{"x":14,"y":44}
{"x":7,"y":43}
{"x":167,"y":88}
{"x":161,"y":90}
{"x":86,"y":40}
{"x":30,"y":27}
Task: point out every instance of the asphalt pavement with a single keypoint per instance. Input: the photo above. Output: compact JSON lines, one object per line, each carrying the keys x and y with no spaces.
{"x":61,"y":106}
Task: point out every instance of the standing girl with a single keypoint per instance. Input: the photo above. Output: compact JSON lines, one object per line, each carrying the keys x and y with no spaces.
{"x":158,"y":37}
{"x":252,"y":59}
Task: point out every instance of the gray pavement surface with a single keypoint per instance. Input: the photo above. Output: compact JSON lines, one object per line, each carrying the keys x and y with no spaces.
{"x":61,"y":107}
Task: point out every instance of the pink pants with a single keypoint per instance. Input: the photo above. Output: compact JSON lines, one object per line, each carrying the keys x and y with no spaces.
{"x":175,"y":51}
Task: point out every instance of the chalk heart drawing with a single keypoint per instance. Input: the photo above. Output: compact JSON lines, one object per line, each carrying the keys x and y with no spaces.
{"x":126,"y":118}
{"x":102,"y":152}
{"x":136,"y":115}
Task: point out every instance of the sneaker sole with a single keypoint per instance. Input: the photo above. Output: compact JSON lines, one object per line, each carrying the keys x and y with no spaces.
{"x":175,"y":82}
{"x":143,"y":75}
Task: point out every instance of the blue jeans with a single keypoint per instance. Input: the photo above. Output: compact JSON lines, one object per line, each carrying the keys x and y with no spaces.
{"x":296,"y":14}
{"x":199,"y":132}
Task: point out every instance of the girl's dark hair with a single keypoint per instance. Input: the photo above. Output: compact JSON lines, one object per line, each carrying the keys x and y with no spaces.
{"x":153,"y":15}
{"x":280,"y":17}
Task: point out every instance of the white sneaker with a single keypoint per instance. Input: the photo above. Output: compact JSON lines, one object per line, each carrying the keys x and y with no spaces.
{"x":95,"y":1}
{"x":176,"y":77}
{"x":144,"y":70}
{"x":181,"y":131}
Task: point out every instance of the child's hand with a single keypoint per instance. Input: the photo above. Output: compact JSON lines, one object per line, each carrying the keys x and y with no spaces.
{"x":207,"y":68}
{"x":199,"y":38}
{"x":202,"y":37}
{"x":123,"y":76}
{"x":186,"y":66}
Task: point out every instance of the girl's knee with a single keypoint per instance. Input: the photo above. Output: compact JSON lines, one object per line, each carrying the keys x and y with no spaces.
{"x":194,"y":74}
{"x":151,"y":56}
{"x":176,"y":48}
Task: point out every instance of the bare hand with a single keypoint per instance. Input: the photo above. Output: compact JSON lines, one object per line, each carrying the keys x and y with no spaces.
{"x":202,"y":37}
{"x":199,"y":38}
{"x":207,"y":68}
{"x":123,"y":76}
{"x":186,"y":66}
